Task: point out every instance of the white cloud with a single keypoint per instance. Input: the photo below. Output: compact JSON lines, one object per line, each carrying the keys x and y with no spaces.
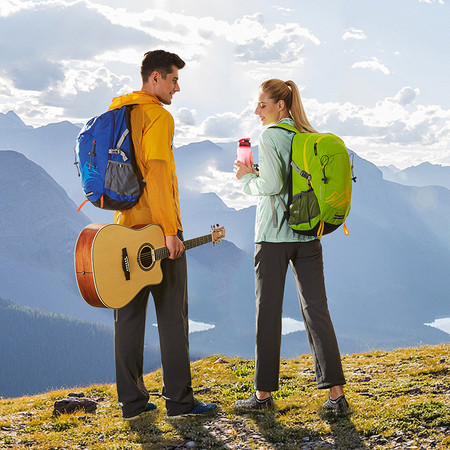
{"x":285,"y":11}
{"x":396,"y":130}
{"x":373,"y":64}
{"x":225,"y":185}
{"x":289,"y":325}
{"x":195,"y":327}
{"x":423,"y":124}
{"x":84,"y":93}
{"x":283,"y":44}
{"x":186,"y":116}
{"x":441,"y":324}
{"x":406,"y":95}
{"x":225,"y":125}
{"x":354,"y":33}
{"x":57,"y":49}
{"x":222,"y":127}
{"x":8,"y":7}
{"x":66,"y":59}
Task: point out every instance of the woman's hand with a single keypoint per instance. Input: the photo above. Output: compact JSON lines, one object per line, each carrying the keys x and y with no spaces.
{"x":240,"y":169}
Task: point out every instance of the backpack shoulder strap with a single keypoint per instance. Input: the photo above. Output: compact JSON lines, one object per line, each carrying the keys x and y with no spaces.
{"x":132,"y":154}
{"x":285,"y":126}
{"x":291,"y":129}
{"x":274,"y":213}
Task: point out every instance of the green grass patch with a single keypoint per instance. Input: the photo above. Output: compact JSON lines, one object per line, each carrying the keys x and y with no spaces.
{"x":396,"y":397}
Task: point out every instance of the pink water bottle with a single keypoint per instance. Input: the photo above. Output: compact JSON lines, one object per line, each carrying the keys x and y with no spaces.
{"x":244,"y":152}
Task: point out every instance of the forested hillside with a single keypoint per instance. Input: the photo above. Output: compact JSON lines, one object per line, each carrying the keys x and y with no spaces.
{"x":40,"y":351}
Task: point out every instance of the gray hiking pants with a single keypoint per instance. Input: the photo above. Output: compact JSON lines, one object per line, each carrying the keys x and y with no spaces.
{"x":171,"y":305}
{"x":305,"y":260}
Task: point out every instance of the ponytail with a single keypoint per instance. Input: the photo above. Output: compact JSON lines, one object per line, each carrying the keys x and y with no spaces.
{"x":297,"y":111}
{"x":289,"y":93}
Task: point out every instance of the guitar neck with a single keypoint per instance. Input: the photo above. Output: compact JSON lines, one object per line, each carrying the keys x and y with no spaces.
{"x":163,"y":252}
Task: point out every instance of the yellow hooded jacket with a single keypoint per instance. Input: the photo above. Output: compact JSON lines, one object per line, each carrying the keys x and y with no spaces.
{"x":152,"y":129}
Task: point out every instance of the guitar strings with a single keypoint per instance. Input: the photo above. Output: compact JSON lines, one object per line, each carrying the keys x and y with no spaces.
{"x":163,"y":252}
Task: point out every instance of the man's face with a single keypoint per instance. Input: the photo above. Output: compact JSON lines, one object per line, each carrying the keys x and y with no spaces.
{"x":166,"y":87}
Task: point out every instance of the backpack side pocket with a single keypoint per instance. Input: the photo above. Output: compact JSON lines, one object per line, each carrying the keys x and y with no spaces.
{"x":121,"y":179}
{"x":304,"y":208}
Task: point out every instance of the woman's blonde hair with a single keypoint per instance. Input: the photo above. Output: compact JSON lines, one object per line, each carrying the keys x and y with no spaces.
{"x":288,"y":92}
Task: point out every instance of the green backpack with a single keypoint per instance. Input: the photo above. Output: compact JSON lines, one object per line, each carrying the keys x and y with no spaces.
{"x":320,"y":183}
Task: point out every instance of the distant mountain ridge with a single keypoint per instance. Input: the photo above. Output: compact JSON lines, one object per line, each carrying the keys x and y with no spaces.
{"x":384,"y":281}
{"x":39,"y":229}
{"x":11,"y":121}
{"x":425,"y":174}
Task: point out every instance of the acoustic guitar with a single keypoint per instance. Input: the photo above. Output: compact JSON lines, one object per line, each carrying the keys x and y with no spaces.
{"x":114,"y":262}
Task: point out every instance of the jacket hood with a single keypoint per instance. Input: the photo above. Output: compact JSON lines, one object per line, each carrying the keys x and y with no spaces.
{"x":134,"y":98}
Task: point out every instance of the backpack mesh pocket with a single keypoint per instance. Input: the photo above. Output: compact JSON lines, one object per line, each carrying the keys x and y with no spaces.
{"x":304,"y":208}
{"x":121,"y":178}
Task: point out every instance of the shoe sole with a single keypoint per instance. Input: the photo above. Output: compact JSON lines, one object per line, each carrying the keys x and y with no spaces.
{"x":140,"y":415}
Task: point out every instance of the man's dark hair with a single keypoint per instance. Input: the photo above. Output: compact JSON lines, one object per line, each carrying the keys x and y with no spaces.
{"x":161,"y":61}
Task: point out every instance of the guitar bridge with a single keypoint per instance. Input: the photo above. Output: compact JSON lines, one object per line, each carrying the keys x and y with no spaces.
{"x":126,"y":264}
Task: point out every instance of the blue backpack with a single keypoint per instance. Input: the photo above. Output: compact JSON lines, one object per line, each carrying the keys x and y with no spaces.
{"x":104,"y":156}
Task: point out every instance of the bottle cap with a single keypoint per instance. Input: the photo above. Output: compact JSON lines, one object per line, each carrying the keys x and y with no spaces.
{"x":245,"y":142}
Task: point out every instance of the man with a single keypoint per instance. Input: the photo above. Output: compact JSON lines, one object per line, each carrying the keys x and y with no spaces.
{"x":152,"y":129}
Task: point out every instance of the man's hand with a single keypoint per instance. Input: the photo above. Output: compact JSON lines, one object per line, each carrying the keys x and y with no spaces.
{"x":175,"y":246}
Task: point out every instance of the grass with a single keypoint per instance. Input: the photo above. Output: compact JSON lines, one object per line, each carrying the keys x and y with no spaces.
{"x":400,"y":399}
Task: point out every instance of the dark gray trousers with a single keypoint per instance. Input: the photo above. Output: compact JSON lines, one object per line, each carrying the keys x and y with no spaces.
{"x":171,"y":305}
{"x":306,"y":262}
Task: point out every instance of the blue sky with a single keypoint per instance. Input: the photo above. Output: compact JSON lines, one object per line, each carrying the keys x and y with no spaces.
{"x":374,"y":72}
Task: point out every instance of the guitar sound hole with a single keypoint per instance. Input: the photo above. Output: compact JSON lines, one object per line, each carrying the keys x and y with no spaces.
{"x":145,"y":258}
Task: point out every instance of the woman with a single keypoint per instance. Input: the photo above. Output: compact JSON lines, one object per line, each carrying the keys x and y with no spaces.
{"x":276,"y":247}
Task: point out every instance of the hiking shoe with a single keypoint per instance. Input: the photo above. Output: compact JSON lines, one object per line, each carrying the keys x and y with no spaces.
{"x":148,"y":407}
{"x":338,"y":406}
{"x":199,"y":409}
{"x":253,"y":403}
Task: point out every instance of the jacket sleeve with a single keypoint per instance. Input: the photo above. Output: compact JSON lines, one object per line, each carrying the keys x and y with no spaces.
{"x":270,"y":179}
{"x":156,"y":161}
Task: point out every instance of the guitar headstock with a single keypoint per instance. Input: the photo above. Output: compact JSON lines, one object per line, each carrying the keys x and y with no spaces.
{"x":217,"y":233}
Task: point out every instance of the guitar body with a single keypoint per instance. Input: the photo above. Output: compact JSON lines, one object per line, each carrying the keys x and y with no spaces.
{"x":114,"y":262}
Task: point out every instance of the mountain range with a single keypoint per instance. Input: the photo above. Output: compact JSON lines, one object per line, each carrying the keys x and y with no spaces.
{"x":425,"y":174}
{"x":384,"y":281}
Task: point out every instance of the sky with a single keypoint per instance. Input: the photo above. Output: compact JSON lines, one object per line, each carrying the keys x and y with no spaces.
{"x":375,"y":72}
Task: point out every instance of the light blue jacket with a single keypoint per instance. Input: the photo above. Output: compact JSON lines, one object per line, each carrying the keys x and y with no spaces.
{"x":274,"y":158}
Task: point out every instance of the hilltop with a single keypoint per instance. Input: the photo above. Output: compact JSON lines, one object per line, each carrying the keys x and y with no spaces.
{"x":400,"y":399}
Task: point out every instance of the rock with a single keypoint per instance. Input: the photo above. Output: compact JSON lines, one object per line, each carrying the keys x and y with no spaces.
{"x":205,"y":390}
{"x":71,"y":404}
{"x":220,"y":361}
{"x":76,"y":394}
{"x":415,"y":391}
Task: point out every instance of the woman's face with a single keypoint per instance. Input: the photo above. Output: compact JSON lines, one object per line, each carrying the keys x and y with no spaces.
{"x":267,"y":109}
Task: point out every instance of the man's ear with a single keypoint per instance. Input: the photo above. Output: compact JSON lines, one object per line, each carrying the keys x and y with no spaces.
{"x":154,"y":77}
